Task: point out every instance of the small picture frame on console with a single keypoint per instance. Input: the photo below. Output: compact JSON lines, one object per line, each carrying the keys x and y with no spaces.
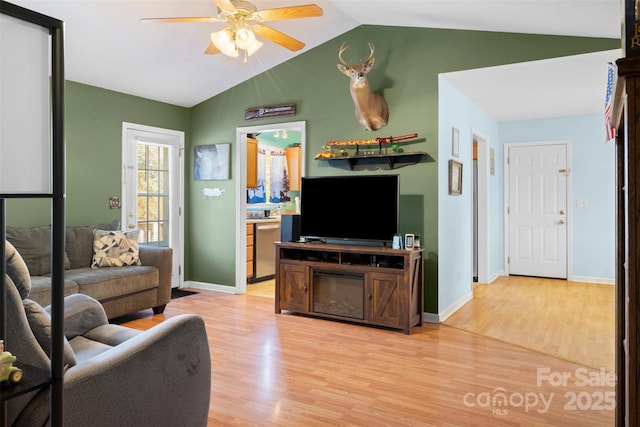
{"x":408,"y":241}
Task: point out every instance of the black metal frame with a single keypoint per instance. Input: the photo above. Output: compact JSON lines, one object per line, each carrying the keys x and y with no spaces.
{"x":57,"y":197}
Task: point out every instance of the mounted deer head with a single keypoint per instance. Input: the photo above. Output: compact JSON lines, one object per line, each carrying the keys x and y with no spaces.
{"x":371,"y":108}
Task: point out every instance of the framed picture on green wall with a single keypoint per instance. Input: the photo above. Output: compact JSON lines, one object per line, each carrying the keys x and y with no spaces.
{"x":211,"y":162}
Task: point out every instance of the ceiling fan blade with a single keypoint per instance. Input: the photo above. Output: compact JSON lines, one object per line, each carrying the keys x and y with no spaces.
{"x":277,"y":37}
{"x":185,"y":19}
{"x":225,"y":5}
{"x":211,"y":49}
{"x":293,"y":12}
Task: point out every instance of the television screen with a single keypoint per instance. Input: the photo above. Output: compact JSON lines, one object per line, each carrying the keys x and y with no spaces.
{"x":352,"y":208}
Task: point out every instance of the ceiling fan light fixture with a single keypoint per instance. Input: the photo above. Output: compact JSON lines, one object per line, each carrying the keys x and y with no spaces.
{"x":245,"y":38}
{"x":254,"y":47}
{"x":223,"y":40}
{"x":245,"y":24}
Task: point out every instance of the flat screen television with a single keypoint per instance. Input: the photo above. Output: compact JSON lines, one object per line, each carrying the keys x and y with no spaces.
{"x":350,"y":208}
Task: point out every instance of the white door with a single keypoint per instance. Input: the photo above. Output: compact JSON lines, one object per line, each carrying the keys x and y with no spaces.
{"x":537,"y":209}
{"x":152,"y":188}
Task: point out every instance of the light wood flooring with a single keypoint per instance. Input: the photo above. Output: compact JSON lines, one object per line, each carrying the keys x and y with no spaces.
{"x":265,"y":288}
{"x":574,"y":321}
{"x":288,"y":370}
{"x":570,"y":320}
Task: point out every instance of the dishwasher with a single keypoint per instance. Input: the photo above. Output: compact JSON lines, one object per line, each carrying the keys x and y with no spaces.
{"x":265,"y":255}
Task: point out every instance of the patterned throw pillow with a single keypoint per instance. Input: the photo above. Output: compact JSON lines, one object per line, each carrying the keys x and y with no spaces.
{"x":115,"y":248}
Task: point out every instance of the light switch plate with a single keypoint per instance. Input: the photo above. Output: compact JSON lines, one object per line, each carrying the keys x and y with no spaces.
{"x":582,"y":203}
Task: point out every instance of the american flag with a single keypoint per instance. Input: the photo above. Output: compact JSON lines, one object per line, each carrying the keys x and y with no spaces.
{"x":607,"y":104}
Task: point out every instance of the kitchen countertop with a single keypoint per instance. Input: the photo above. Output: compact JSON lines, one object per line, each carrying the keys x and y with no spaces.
{"x":263,"y":220}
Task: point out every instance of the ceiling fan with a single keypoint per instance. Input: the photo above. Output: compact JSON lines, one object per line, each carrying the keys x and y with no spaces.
{"x":245,"y":23}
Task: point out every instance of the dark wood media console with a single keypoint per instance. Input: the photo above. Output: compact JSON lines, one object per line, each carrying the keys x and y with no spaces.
{"x":363,"y":284}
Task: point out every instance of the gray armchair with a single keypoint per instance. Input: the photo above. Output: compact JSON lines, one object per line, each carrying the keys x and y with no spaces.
{"x":115,"y":376}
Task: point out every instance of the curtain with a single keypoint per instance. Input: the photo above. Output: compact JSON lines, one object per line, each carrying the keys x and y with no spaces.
{"x":279,"y":178}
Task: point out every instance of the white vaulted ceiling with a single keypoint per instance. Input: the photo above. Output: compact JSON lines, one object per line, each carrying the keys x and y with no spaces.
{"x":107,"y":46}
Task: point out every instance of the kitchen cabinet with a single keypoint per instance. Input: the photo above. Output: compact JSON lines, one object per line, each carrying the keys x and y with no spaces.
{"x":252,"y":163}
{"x":294,"y":165}
{"x":250,"y":246}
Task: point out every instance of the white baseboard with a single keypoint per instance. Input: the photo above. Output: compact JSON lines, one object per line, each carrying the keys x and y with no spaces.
{"x":597,"y":280}
{"x":455,"y":306}
{"x":495,"y":275}
{"x":585,"y":279}
{"x":209,"y":287}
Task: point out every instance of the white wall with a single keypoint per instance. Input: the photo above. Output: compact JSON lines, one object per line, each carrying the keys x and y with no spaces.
{"x":455,"y":271}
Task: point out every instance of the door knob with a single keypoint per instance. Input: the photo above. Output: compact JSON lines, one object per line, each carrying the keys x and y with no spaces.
{"x":561,"y":212}
{"x":561,"y":221}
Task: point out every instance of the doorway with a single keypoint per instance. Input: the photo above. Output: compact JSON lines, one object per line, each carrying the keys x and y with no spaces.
{"x":153,"y":189}
{"x":537,"y":191}
{"x":241,"y":188}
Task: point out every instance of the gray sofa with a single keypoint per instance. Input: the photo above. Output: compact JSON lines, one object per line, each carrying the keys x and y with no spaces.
{"x":120,"y":290}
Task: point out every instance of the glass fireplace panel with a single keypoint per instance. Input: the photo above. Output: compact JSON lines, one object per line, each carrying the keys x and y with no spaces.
{"x":338,"y":294}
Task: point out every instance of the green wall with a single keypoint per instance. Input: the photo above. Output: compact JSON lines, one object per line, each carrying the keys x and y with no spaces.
{"x":93,"y":127}
{"x":408,"y":61}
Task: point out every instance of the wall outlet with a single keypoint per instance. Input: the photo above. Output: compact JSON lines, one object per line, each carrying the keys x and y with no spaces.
{"x":582,"y":203}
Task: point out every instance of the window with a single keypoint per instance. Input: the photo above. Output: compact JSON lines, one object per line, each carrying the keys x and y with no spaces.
{"x":153,"y":194}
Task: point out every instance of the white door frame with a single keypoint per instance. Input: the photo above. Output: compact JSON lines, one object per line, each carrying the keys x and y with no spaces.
{"x":507,"y":249}
{"x":241,"y":190}
{"x":161,"y":136}
{"x":483,"y":205}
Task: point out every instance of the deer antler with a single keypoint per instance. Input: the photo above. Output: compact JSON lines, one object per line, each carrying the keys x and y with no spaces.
{"x":342,"y":49}
{"x":372,"y":49}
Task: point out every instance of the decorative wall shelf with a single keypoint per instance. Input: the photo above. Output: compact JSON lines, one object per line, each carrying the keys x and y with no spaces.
{"x":381,"y":153}
{"x":374,"y":161}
